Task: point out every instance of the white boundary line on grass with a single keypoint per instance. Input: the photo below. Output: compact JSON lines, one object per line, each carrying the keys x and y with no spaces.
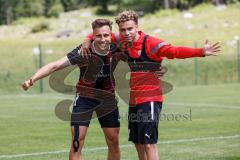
{"x":122,"y":146}
{"x":165,"y":103}
{"x":227,"y":106}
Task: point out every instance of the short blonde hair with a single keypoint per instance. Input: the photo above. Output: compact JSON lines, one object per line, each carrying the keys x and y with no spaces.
{"x":126,"y":16}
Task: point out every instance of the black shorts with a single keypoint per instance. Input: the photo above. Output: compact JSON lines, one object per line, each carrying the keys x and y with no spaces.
{"x":143,"y":122}
{"x":85,"y":109}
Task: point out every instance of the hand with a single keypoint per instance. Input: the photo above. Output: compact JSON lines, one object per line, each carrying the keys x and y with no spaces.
{"x":27,"y":84}
{"x":210,"y":50}
{"x":84,"y":50}
{"x":161,"y":72}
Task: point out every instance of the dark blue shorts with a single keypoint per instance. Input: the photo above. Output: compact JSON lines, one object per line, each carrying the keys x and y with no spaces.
{"x":143,"y":122}
{"x":85,"y":109}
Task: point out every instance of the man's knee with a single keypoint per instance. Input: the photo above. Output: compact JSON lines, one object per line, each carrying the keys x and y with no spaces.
{"x":113,"y":140}
{"x":148,"y":147}
{"x":111,"y":135}
{"x":78,"y":138}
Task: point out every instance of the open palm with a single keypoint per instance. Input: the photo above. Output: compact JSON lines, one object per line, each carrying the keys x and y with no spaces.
{"x":211,"y":50}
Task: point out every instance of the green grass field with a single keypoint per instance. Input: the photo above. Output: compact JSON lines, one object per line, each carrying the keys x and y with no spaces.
{"x":209,"y":128}
{"x":29,"y":128}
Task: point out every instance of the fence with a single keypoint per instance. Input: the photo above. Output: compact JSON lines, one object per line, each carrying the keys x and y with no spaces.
{"x":196,"y":71}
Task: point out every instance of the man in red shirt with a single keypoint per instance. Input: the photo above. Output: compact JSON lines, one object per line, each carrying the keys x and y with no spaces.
{"x":145,"y":87}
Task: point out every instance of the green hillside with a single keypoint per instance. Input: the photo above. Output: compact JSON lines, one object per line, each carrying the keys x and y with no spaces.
{"x":222,"y":24}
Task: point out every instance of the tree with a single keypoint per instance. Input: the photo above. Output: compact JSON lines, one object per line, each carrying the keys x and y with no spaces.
{"x":53,"y":8}
{"x":104,"y":5}
{"x":47,"y":5}
{"x":69,"y":5}
{"x":32,"y":8}
{"x":166,"y":4}
{"x":6,"y":11}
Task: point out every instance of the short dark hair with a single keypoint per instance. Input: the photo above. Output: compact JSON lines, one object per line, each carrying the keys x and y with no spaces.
{"x":126,"y":16}
{"x":97,"y":23}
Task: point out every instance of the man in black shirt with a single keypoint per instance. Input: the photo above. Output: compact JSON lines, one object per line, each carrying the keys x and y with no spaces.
{"x":95,"y":90}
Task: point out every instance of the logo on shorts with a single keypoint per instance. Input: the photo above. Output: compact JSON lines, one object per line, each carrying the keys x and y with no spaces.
{"x":148,"y":136}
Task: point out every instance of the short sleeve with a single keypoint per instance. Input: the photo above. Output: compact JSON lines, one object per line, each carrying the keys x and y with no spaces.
{"x":74,"y":56}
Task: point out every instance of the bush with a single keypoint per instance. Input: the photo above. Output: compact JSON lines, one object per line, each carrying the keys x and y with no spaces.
{"x":41,"y":27}
{"x":55,"y":10}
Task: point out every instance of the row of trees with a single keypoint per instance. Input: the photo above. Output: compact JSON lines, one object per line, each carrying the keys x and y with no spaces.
{"x":11,"y":10}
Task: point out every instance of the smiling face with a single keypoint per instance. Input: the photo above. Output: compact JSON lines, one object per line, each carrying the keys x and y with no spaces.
{"x":102,"y":37}
{"x":128,"y":25}
{"x":129,"y":30}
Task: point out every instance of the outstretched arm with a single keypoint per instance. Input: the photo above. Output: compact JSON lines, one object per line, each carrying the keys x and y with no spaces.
{"x":211,"y":50}
{"x":45,"y":71}
{"x":159,"y":49}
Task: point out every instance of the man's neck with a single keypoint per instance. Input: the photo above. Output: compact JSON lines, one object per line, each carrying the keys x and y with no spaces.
{"x":136,"y":37}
